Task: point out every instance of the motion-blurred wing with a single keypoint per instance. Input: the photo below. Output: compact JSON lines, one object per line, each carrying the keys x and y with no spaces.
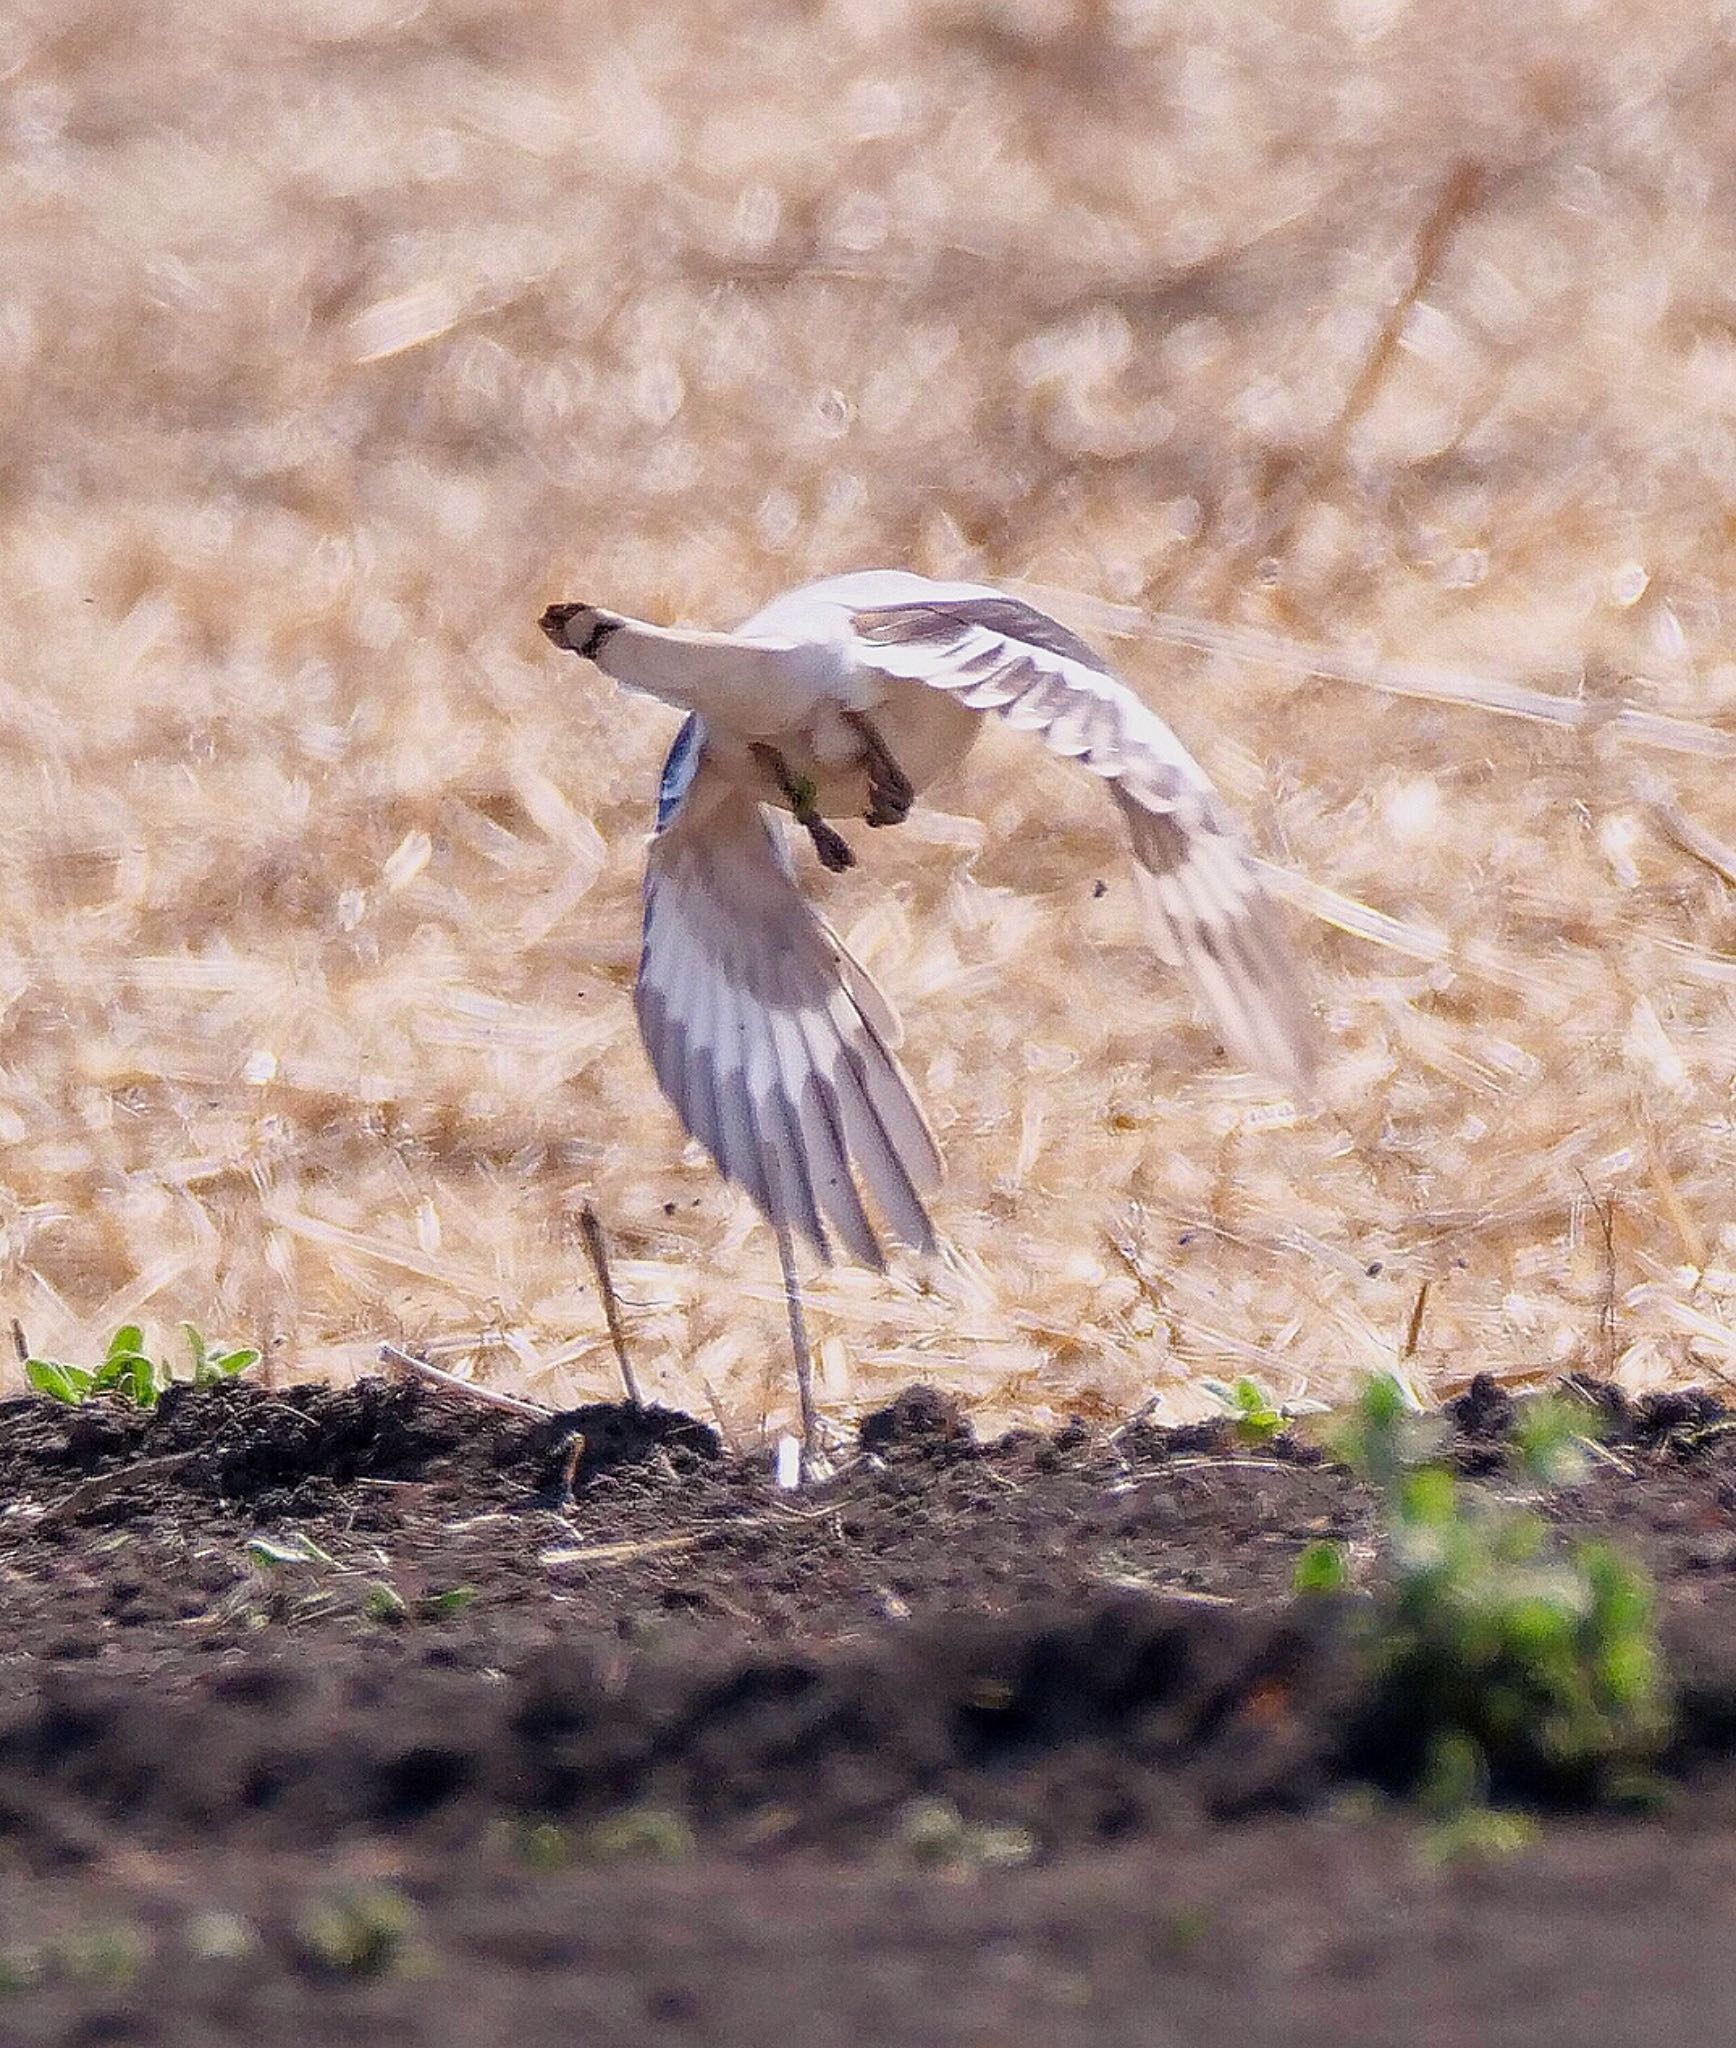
{"x":1199,"y":887}
{"x":773,"y":1044}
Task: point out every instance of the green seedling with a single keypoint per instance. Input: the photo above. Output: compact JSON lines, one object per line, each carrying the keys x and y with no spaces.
{"x":1323,"y":1567}
{"x":1254,"y":1416}
{"x":109,"y":1954}
{"x":650,"y":1834}
{"x":271,"y":1553}
{"x":362,"y":1931}
{"x":1183,"y":1931}
{"x":540,"y":1845}
{"x":446,"y":1605}
{"x":20,"y":1971}
{"x":106,"y":1954}
{"x":1479,"y":1834}
{"x":125,"y":1370}
{"x":212,"y":1363}
{"x":128,"y":1370}
{"x":1508,"y":1657}
{"x":1551,"y":1438}
{"x":934,"y":1834}
{"x":384,"y":1603}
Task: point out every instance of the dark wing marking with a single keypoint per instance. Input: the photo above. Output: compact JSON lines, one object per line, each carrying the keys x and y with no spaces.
{"x":937,"y":624}
{"x":1200,"y":889}
{"x":680,"y":766}
{"x":774,"y":1046}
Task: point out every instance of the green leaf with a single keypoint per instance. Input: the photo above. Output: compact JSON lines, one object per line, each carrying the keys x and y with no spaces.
{"x":212,"y":1362}
{"x":1257,"y":1420}
{"x":130,"y":1373}
{"x":296,"y":1549}
{"x":1383,"y":1401}
{"x":68,"y":1383}
{"x":1550,"y":1436}
{"x":1428,"y":1498}
{"x":127,"y":1342}
{"x":382,"y":1602}
{"x":1321,"y":1568}
{"x":653,"y":1834}
{"x":442,"y":1606}
{"x":1478,"y":1834}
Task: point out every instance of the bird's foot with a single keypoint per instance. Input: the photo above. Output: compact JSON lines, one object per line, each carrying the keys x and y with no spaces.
{"x":799,"y":793}
{"x":890,"y":793}
{"x":832,"y":847}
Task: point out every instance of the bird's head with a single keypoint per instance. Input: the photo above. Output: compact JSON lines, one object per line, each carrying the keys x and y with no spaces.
{"x":580,"y":628}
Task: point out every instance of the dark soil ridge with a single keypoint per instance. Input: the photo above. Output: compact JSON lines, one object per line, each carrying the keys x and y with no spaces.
{"x":1088,"y":1634}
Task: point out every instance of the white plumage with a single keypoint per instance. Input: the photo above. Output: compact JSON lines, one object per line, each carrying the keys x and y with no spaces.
{"x":845,"y":699}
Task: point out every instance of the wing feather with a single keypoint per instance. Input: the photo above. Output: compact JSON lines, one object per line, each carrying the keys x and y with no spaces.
{"x":772,"y":1044}
{"x":1202,"y":893}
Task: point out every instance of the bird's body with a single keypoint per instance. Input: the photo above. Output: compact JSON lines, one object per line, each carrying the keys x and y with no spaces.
{"x":845,"y":699}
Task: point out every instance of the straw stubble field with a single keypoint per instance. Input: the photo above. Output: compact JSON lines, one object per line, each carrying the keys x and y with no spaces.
{"x":1364,"y":381}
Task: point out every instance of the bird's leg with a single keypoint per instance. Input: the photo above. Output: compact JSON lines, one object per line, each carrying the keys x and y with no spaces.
{"x":832,"y":847}
{"x":889,"y":792}
{"x":799,"y":1345}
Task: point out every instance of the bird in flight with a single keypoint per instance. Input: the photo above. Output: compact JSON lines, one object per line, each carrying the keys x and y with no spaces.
{"x":845,"y":699}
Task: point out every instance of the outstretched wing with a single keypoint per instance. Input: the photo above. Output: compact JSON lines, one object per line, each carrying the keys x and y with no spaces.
{"x":774,"y":1046}
{"x":1200,"y":889}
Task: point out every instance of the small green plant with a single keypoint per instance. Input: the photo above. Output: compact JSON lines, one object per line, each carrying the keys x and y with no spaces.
{"x":1478,"y":1834}
{"x":125,"y":1369}
{"x":1183,"y":1931}
{"x":540,"y":1844}
{"x":107,"y":1953}
{"x":362,"y":1931}
{"x":212,"y":1362}
{"x":1508,"y":1660}
{"x":1254,"y":1416}
{"x":447,"y":1604}
{"x":129,"y":1370}
{"x":274,"y":1554}
{"x":383,"y":1602}
{"x":20,"y":1971}
{"x":1550,"y":1436}
{"x":649,"y":1834}
{"x":1322,"y":1568}
{"x":934,"y":1834}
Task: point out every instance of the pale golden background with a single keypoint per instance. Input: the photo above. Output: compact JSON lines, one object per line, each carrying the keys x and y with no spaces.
{"x":339,"y":336}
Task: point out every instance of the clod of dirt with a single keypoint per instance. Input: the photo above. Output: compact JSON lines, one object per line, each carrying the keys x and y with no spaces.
{"x":612,"y":1434}
{"x":921,"y":1419}
{"x":1484,"y":1411}
{"x":1675,"y":1418}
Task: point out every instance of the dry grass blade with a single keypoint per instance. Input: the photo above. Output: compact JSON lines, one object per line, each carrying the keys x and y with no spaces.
{"x":398,"y":1360}
{"x":1414,"y":1328}
{"x":597,"y":1246}
{"x":1693,"y":839}
{"x":605,"y":1554}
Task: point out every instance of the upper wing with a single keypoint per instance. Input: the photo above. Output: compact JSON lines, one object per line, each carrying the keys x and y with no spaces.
{"x":1199,"y":885}
{"x":773,"y":1044}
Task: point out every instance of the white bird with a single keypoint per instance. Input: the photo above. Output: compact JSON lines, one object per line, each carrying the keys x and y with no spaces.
{"x":846,"y":698}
